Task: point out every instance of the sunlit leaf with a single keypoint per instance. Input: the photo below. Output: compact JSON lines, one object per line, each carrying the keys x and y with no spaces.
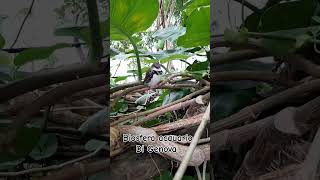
{"x":131,"y":16}
{"x":198,"y":29}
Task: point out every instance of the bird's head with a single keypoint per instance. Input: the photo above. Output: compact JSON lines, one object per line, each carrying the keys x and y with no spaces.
{"x":156,"y":67}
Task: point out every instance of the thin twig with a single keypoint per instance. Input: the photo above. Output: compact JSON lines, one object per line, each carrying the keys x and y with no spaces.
{"x":53,"y":167}
{"x":184,"y":163}
{"x":23,"y":22}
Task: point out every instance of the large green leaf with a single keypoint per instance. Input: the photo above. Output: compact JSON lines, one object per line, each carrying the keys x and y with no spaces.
{"x":271,"y":18}
{"x":39,"y":53}
{"x":131,"y":16}
{"x":196,"y":4}
{"x":198,"y":29}
{"x":46,"y":147}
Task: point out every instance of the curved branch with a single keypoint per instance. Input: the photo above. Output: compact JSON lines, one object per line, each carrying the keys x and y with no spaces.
{"x":48,"y":77}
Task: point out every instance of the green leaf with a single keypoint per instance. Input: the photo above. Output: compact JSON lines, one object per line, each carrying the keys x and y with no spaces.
{"x":297,"y":14}
{"x":165,"y":175}
{"x":173,"y":57}
{"x":2,"y":42}
{"x":5,"y":58}
{"x":94,"y":144}
{"x":46,"y":147}
{"x":170,"y":33}
{"x":198,"y":29}
{"x":128,"y":17}
{"x":25,"y":141}
{"x":40,"y":53}
{"x":195,"y":5}
{"x":198,"y":66}
{"x":120,"y":78}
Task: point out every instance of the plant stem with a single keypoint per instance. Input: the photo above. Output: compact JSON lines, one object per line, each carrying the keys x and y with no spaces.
{"x":96,"y":48}
{"x":136,"y":51}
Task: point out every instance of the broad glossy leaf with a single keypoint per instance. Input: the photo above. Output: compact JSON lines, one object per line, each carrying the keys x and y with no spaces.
{"x":40,"y":53}
{"x":131,"y":16}
{"x":198,"y":29}
{"x":46,"y":147}
{"x":170,"y":33}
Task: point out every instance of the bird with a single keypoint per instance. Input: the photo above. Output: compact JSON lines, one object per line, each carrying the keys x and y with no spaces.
{"x":153,"y":75}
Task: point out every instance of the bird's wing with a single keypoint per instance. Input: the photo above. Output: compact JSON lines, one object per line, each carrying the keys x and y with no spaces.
{"x":148,"y":76}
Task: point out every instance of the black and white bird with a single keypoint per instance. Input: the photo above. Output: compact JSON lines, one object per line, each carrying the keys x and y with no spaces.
{"x":153,"y":76}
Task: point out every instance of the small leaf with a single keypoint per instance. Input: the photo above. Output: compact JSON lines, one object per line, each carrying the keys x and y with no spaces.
{"x":40,"y":53}
{"x":46,"y":147}
{"x":120,"y":78}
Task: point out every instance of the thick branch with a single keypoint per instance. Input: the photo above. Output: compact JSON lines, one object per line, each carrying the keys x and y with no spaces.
{"x":48,"y":77}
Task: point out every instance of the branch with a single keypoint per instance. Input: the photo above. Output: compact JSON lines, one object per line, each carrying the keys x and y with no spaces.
{"x":236,"y":56}
{"x":136,"y":115}
{"x":80,"y":170}
{"x":171,"y":108}
{"x":187,"y":157}
{"x":251,"y":113}
{"x":248,"y":5}
{"x":48,"y":77}
{"x":53,"y":167}
{"x":50,"y":98}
